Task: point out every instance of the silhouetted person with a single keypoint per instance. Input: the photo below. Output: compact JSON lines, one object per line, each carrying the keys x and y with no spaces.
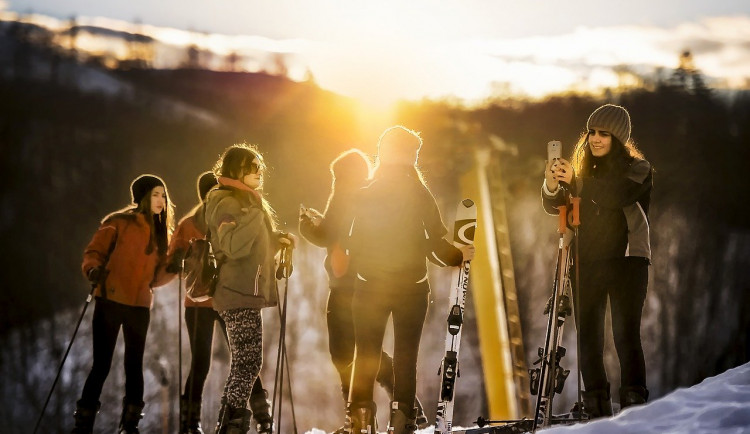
{"x":395,"y":228}
{"x":350,"y":172}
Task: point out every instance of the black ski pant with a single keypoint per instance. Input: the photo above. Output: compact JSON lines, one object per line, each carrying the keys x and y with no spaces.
{"x":200,"y":321}
{"x":624,"y":282}
{"x":109,"y":317}
{"x":372,"y":304}
{"x":341,"y":341}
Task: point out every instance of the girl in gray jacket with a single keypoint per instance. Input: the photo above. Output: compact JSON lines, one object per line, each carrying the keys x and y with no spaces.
{"x":243,"y":232}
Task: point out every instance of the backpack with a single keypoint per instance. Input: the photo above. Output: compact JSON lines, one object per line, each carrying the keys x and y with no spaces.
{"x":200,"y":269}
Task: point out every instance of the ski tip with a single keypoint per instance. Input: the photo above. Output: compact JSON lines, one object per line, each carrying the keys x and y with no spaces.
{"x":468,"y":203}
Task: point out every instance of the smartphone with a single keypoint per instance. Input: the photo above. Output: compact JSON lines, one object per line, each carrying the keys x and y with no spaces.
{"x":554,"y":150}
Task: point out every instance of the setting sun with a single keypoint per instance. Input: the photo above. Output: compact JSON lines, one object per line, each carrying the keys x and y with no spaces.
{"x":380,"y":53}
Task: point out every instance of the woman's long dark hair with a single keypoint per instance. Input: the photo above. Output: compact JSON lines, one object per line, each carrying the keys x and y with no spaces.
{"x":235,"y":162}
{"x":161,"y":225}
{"x":582,"y":158}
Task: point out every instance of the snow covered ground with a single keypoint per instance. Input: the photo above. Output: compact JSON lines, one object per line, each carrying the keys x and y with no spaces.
{"x":719,"y":404}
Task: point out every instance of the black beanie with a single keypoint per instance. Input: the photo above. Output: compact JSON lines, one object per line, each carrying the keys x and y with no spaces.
{"x":142,"y":185}
{"x":206,"y":181}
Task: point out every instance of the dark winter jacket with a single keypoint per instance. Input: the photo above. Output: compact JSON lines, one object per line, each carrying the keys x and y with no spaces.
{"x":396,"y":227}
{"x":245,"y":246}
{"x":331,"y":234}
{"x":192,"y":226}
{"x":121,"y":244}
{"x":615,"y":199}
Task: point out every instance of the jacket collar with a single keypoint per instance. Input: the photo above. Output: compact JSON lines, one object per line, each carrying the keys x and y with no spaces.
{"x":235,"y":183}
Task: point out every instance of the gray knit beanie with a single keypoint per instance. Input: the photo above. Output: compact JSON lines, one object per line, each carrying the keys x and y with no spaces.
{"x":612,"y":118}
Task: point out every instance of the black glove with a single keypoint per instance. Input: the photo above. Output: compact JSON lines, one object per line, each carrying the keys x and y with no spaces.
{"x":95,"y":274}
{"x":176,"y":265}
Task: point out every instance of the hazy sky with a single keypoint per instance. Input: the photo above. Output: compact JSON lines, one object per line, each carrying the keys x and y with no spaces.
{"x":327,"y":19}
{"x":381,"y":50}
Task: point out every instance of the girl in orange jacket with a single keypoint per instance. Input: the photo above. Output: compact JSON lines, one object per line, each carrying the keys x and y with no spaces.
{"x":122,"y":260}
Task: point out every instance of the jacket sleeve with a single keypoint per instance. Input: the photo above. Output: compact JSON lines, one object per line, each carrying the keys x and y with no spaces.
{"x":551,"y":200}
{"x":177,"y":247}
{"x":180,"y":241}
{"x":161,"y":276}
{"x":98,"y":250}
{"x":236,"y":228}
{"x":618,"y":192}
{"x":440,"y":251}
{"x":317,"y":235}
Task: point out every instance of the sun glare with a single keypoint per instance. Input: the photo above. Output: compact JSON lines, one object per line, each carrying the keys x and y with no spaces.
{"x":382,"y":52}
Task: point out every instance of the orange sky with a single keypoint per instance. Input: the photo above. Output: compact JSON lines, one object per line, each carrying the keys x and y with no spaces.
{"x":383,"y":51}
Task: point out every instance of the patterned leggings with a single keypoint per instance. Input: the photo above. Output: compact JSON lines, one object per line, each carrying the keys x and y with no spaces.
{"x":245,"y":331}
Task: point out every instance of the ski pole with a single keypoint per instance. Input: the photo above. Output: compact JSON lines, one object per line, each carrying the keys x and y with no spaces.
{"x":282,"y":362}
{"x":550,"y":346}
{"x":179,"y":337}
{"x":62,"y":363}
{"x":575,"y":222}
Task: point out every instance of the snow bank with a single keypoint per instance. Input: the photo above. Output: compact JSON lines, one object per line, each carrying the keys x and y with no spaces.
{"x":719,"y":404}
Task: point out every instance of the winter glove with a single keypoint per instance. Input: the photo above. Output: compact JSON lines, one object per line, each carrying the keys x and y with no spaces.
{"x":95,"y":274}
{"x":175,"y":266}
{"x":286,"y":239}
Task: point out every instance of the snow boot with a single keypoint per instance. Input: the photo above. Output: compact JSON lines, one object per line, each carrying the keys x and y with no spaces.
{"x":420,"y":419}
{"x":597,"y":403}
{"x":361,"y":418}
{"x":577,"y":412}
{"x":403,"y":419}
{"x":232,"y":420}
{"x":84,"y":417}
{"x":385,"y":379}
{"x":633,"y":395}
{"x":261,"y":409}
{"x":345,"y":429}
{"x":190,"y":416}
{"x":131,"y":416}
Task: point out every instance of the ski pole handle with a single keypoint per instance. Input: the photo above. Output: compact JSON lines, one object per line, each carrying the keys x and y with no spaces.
{"x":576,"y":202}
{"x":289,"y":267}
{"x":562,"y":222}
{"x":285,"y":263}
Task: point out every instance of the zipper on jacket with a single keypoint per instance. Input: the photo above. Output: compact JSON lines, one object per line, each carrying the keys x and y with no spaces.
{"x":257,"y":277}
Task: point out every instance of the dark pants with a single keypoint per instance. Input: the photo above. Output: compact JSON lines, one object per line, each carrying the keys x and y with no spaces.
{"x":200,"y":327}
{"x":624,"y":281}
{"x":108,"y":318}
{"x":371,"y":307}
{"x":341,"y":341}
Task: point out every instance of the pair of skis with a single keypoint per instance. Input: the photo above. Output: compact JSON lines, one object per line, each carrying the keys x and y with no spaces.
{"x":549,"y":378}
{"x":463,"y":234}
{"x":546,"y":380}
